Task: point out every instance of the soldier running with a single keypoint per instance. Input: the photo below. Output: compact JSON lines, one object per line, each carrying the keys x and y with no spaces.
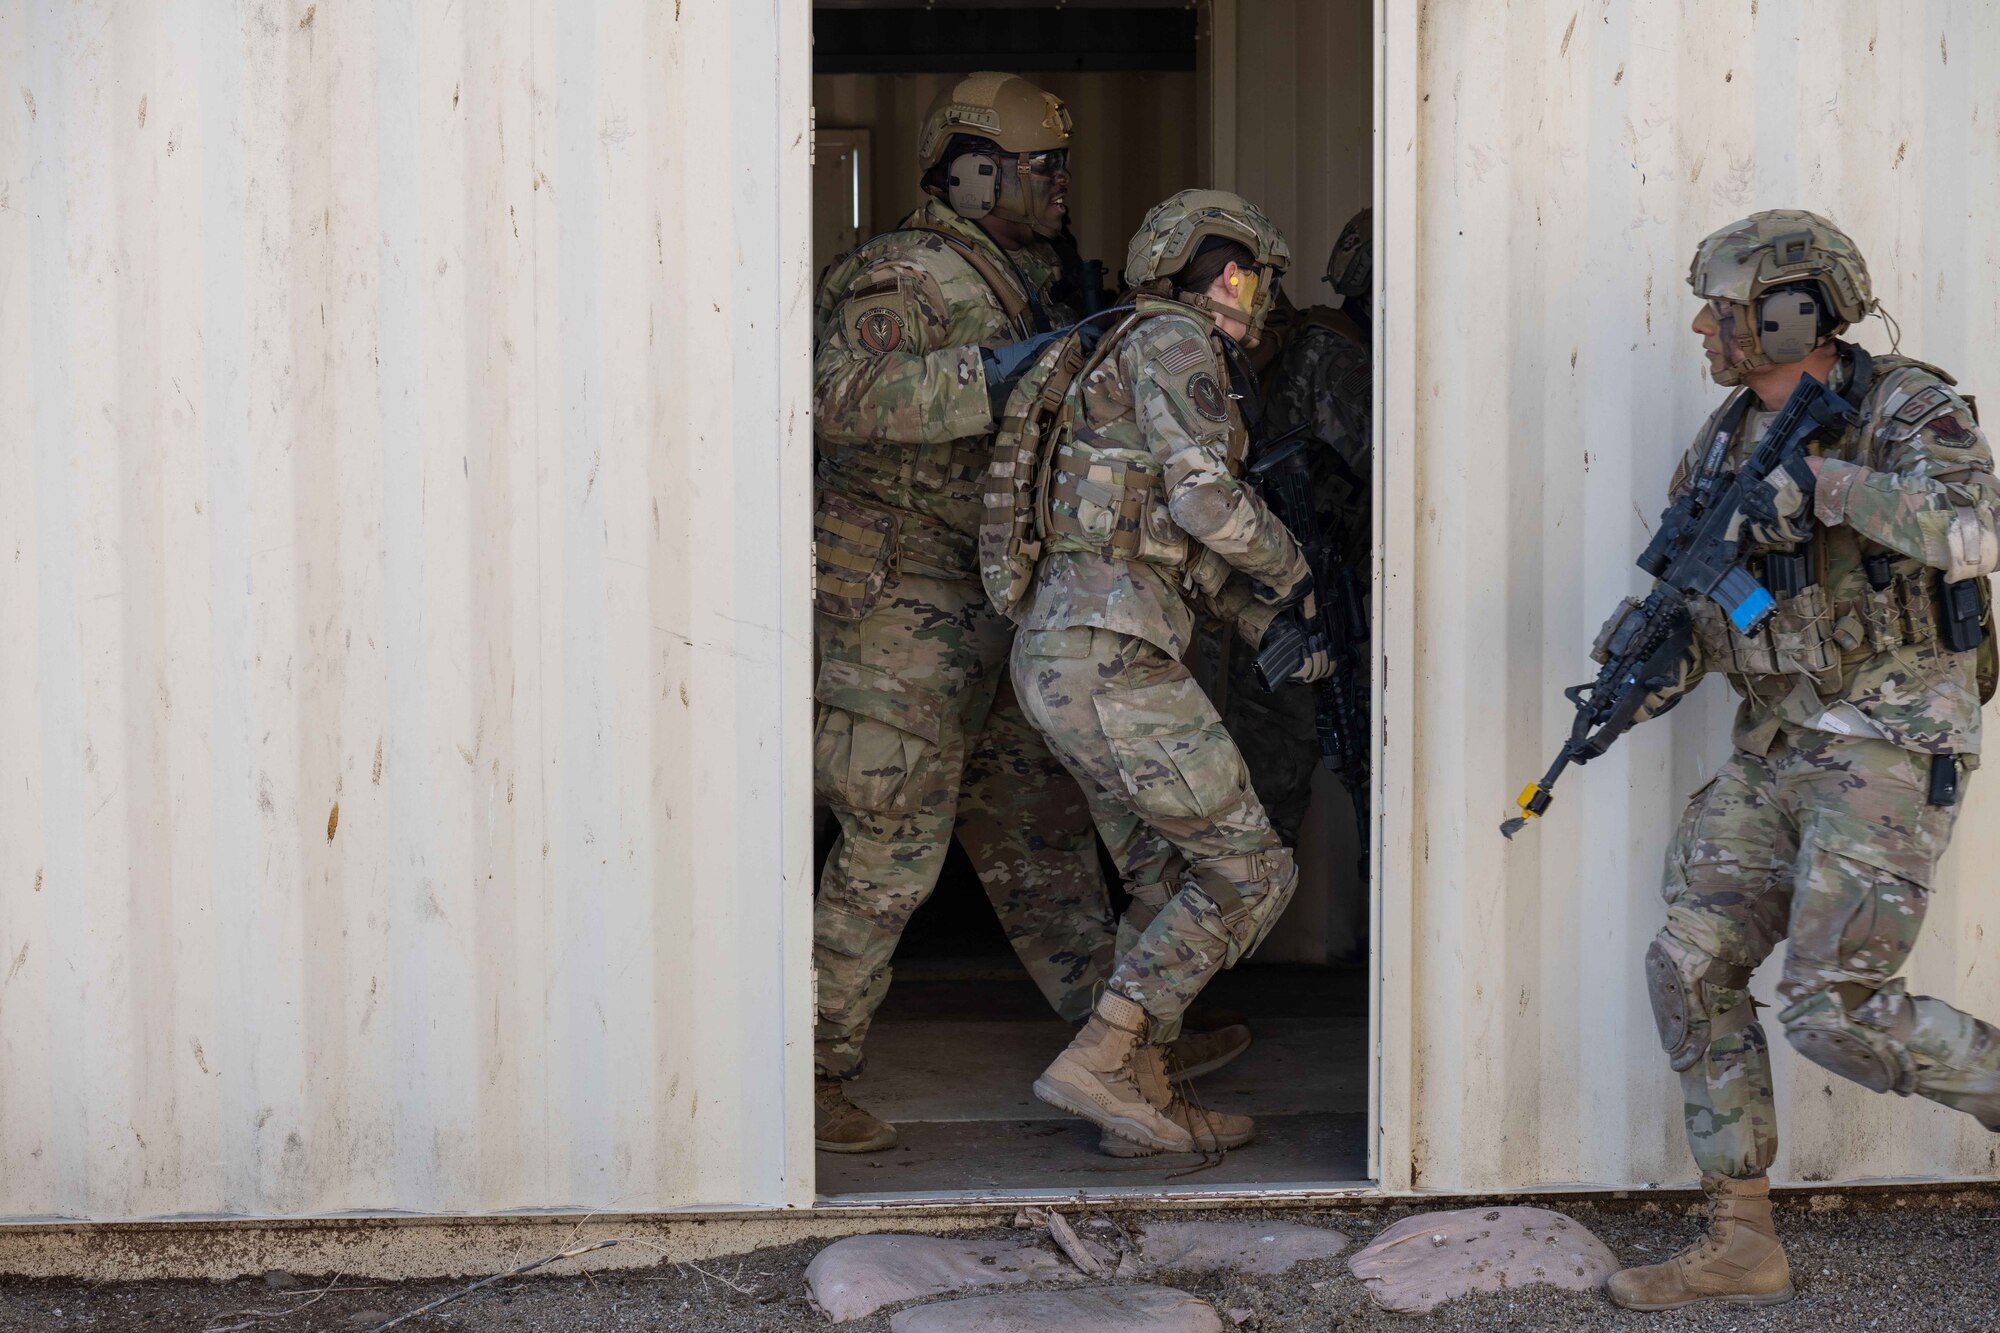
{"x":1859,"y":720}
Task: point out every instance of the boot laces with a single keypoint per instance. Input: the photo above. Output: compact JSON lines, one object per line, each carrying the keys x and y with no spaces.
{"x":1186,"y":1109}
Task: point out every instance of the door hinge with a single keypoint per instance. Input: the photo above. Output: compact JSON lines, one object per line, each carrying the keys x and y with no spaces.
{"x":812,"y":136}
{"x":812,"y":974}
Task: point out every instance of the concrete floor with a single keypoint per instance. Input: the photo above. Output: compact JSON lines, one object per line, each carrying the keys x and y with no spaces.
{"x":954,"y":1051}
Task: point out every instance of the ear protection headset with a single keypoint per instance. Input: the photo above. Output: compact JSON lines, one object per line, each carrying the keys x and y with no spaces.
{"x":972,"y":184}
{"x":1790,"y":323}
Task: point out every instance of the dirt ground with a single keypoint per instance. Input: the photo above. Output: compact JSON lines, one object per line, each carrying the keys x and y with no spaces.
{"x":1929,"y":1268}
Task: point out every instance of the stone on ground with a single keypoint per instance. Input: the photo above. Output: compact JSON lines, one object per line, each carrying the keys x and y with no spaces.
{"x":861,"y":1274}
{"x":1098,"y":1309}
{"x":1242,"y":1247}
{"x":1432,"y":1257}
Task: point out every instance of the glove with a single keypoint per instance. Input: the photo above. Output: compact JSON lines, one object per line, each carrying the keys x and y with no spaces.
{"x":1290,"y":594}
{"x":1664,"y":691}
{"x":1777,"y":509}
{"x":1006,"y":363}
{"x":1318,"y":664}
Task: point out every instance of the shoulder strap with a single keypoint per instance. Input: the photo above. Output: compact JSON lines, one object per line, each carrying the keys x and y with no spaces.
{"x":1007,"y":288}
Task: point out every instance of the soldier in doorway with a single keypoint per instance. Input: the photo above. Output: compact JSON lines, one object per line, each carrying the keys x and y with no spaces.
{"x":1858,"y":723}
{"x":1147,"y":521}
{"x":1320,"y":375}
{"x":919,"y":335}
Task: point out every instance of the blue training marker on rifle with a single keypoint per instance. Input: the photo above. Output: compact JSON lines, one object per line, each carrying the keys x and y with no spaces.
{"x":1750,"y":612}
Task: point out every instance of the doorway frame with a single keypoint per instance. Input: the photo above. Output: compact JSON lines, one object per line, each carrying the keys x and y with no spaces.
{"x":1392,"y":828}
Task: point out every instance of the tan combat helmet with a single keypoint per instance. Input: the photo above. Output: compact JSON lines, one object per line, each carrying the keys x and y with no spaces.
{"x":1757,"y":263}
{"x":1351,"y":266}
{"x":1171,"y":233}
{"x":1029,"y":123}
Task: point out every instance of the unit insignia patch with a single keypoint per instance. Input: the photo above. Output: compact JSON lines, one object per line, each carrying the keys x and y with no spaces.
{"x":1206,"y":395}
{"x":880,"y":329}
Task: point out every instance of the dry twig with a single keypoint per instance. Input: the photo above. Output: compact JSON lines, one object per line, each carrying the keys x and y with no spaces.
{"x":489,"y":1281}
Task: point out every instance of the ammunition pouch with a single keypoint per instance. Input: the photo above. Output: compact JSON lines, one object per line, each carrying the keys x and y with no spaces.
{"x":854,"y":549}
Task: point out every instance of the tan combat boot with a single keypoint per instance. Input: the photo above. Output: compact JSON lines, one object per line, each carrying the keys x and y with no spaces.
{"x":841,"y":1126}
{"x":1097,"y":1077}
{"x":1209,"y":1129}
{"x":1740,"y":1262}
{"x":1197,"y":1053}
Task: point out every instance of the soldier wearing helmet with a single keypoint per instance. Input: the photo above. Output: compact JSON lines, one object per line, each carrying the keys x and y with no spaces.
{"x":918,"y":334}
{"x":1146,"y":521}
{"x":1858,"y":724}
{"x":1322,"y":379}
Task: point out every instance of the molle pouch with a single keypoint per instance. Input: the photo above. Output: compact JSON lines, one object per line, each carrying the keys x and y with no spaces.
{"x":1206,"y":574}
{"x":854,"y":548}
{"x":1882,"y":617}
{"x":1617,"y":631}
{"x":1801,"y":637}
{"x":1917,"y":607}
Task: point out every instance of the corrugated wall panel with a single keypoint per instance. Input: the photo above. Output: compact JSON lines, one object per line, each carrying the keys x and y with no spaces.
{"x":404,"y":477}
{"x":1547,"y":178}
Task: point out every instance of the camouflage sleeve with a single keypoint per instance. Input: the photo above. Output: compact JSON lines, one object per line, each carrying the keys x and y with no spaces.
{"x":884,"y":372}
{"x":1936,"y":499}
{"x":1183,"y":415}
{"x":1235,"y":603}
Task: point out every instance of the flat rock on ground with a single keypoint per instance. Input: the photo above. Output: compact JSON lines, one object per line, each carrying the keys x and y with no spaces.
{"x":861,"y":1274}
{"x":1241,"y":1247}
{"x":1098,"y":1309}
{"x":1432,"y":1257}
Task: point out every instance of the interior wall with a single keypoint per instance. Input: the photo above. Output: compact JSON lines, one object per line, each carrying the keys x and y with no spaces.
{"x":1304,"y":121}
{"x":1549,"y":169}
{"x":1136,"y":141}
{"x":1299,"y":129}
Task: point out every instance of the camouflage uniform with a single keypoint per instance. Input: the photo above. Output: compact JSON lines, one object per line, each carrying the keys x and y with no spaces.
{"x":914,"y":733}
{"x":1818,"y":829}
{"x":1322,"y":377}
{"x":1145,"y":513}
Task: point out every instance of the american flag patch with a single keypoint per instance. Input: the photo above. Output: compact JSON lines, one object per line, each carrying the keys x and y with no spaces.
{"x":1182,"y":356}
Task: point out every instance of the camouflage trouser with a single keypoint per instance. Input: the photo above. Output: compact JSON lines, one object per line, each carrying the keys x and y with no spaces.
{"x":1276,"y":731}
{"x":909,"y":742}
{"x":1830,"y":844}
{"x":1168,"y":789}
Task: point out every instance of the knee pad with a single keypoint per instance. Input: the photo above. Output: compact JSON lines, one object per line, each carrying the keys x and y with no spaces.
{"x":1696,"y":998}
{"x":1823,"y":1029}
{"x":1250,"y":892}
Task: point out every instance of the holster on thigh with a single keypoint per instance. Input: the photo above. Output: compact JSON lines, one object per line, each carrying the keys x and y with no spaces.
{"x":1696,"y":998}
{"x":1845,"y":1028}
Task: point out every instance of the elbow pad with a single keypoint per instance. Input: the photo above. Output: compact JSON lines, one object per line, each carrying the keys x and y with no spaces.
{"x":1971,"y":545}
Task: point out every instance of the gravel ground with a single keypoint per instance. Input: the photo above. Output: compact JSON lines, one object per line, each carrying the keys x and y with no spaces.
{"x":1929,"y":1268}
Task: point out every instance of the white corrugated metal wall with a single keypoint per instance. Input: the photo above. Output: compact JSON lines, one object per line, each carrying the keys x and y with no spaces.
{"x":1547,"y":169}
{"x":404,"y":474}
{"x":266,"y":276}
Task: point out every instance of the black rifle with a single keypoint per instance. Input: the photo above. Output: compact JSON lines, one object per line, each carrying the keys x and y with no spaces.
{"x":1081,"y":282}
{"x":1282,"y":472}
{"x":1692,"y":555}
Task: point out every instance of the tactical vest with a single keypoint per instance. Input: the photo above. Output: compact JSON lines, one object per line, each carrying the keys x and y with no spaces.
{"x":1837,"y":617}
{"x":860,"y":529}
{"x":1057,"y":484}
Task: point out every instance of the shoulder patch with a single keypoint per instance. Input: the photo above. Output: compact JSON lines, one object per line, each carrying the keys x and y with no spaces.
{"x":1923,"y":403}
{"x":877,"y":317}
{"x":1206,"y":395}
{"x":1183,"y":356}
